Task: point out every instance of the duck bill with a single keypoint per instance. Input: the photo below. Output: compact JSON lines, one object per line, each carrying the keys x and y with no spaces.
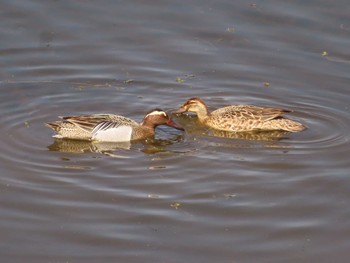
{"x":174,"y":125}
{"x":180,"y":110}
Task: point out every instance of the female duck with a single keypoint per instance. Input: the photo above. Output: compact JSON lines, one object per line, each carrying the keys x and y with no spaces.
{"x":109,"y":127}
{"x":241,"y":118}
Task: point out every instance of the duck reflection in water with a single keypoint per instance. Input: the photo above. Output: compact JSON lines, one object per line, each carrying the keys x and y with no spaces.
{"x":80,"y":146}
{"x":149,"y":146}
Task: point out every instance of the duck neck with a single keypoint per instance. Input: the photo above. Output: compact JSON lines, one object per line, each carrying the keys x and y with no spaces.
{"x":202,"y":113}
{"x":148,"y":124}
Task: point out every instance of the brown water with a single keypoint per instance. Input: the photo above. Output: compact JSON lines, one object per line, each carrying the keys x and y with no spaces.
{"x":184,"y":197}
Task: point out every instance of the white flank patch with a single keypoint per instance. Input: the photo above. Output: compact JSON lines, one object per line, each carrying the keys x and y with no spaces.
{"x":118,"y":134}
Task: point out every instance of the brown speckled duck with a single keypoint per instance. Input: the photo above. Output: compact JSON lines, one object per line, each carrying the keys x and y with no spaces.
{"x":241,"y":118}
{"x":109,"y":127}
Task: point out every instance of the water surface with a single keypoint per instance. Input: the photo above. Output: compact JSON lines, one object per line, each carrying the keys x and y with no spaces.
{"x":182,"y":197}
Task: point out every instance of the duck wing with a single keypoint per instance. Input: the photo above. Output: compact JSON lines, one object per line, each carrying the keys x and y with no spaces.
{"x":248,"y":112}
{"x":96,"y":122}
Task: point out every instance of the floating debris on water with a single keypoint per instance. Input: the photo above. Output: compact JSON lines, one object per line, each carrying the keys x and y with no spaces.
{"x":156,"y":167}
{"x":154,"y":196}
{"x":230,"y":29}
{"x":230,"y":195}
{"x":128,"y":81}
{"x":175,"y":205}
{"x":179,"y":80}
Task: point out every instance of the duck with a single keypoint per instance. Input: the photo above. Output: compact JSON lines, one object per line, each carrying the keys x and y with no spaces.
{"x":241,"y":118}
{"x":110,"y":127}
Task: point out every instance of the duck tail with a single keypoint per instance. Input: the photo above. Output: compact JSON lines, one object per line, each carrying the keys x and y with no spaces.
{"x":55,"y":125}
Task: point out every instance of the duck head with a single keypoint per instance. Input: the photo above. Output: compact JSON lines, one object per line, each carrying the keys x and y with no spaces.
{"x":159,"y":117}
{"x":196,"y":105}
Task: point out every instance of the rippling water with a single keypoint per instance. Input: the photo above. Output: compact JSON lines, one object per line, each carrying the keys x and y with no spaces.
{"x":184,"y":197}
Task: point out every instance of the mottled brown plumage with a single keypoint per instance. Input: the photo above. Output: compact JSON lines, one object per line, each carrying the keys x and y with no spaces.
{"x":239,"y":118}
{"x":109,"y":127}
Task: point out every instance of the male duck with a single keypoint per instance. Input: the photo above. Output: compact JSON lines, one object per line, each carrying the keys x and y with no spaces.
{"x":241,"y":118}
{"x":109,"y":127}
